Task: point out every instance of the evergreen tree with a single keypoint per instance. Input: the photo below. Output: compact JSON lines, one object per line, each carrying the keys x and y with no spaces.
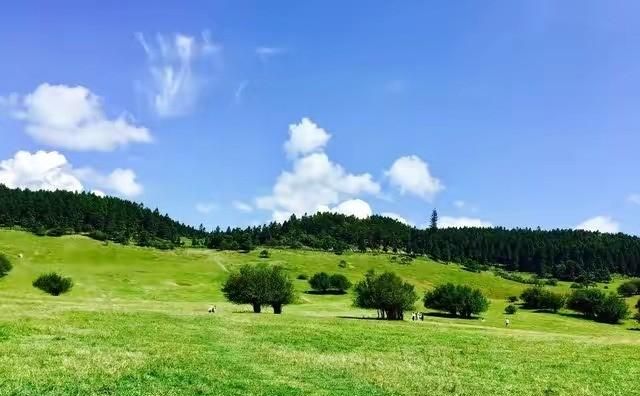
{"x":433,"y":225}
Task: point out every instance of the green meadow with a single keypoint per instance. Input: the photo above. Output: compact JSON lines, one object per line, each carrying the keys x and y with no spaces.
{"x":136,"y":323}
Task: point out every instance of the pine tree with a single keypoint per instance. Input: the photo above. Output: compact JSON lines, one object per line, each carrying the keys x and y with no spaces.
{"x":434,"y":220}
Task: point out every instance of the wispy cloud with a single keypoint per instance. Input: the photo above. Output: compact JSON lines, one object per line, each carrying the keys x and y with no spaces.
{"x":634,"y":199}
{"x":240,"y":91}
{"x":175,"y":78}
{"x":264,"y":53}
{"x":206,"y":207}
{"x":242,"y":206}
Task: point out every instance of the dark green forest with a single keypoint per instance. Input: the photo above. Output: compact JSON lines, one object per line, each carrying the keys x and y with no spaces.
{"x":562,"y":254}
{"x":56,"y":213}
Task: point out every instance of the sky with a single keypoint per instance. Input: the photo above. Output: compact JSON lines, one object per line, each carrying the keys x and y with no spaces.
{"x":497,"y":113}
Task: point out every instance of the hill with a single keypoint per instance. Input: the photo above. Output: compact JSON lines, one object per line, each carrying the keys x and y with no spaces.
{"x":136,"y":322}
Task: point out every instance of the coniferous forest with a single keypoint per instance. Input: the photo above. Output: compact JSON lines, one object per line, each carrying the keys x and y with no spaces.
{"x":561,"y":254}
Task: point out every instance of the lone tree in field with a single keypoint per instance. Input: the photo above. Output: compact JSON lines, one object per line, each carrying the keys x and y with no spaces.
{"x":53,"y":283}
{"x":387,"y":293}
{"x":259,"y":285}
{"x":5,"y":265}
{"x":457,"y":300}
{"x":320,"y":281}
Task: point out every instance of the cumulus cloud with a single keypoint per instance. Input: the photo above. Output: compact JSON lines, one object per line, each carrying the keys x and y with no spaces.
{"x":354,"y":207}
{"x":411,"y":175}
{"x":72,"y":118}
{"x":305,"y":137}
{"x":176,"y":79}
{"x":242,"y":206}
{"x":315,"y":183}
{"x":395,"y":216}
{"x":460,"y":222}
{"x":51,"y":171}
{"x":600,"y":223}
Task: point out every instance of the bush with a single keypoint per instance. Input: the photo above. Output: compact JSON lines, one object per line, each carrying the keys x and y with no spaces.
{"x":540,"y":298}
{"x":339,"y":283}
{"x":5,"y":265}
{"x":343,"y":264}
{"x":629,"y":288}
{"x":53,"y":283}
{"x":55,"y":232}
{"x":264,"y":254}
{"x":510,"y":309}
{"x":387,"y":293}
{"x":320,"y":281}
{"x":512,"y":299}
{"x":595,"y":304}
{"x":97,"y":235}
{"x":259,"y":285}
{"x":456,"y":299}
{"x":303,"y":276}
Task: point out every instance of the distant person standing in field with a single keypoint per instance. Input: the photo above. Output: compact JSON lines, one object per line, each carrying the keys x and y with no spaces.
{"x":507,"y":322}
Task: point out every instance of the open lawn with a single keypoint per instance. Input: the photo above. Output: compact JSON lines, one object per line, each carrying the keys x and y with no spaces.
{"x":136,"y":323}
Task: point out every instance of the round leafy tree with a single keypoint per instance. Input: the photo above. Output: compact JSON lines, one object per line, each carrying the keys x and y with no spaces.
{"x":339,"y":283}
{"x":5,"y":265}
{"x":320,"y":281}
{"x":510,"y":309}
{"x":387,"y":293}
{"x":53,"y":283}
{"x":456,"y":299}
{"x":259,"y":285}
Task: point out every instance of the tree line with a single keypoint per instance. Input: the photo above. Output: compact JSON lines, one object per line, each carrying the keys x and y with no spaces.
{"x":562,"y":254}
{"x":56,"y":213}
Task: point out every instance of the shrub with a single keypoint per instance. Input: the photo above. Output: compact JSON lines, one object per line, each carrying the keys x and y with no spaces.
{"x":320,"y":281}
{"x":343,"y":264}
{"x":264,"y":254}
{"x":97,"y":235}
{"x":259,"y":285}
{"x":540,"y":298}
{"x":5,"y":265}
{"x":595,"y":304}
{"x":510,"y":309}
{"x":456,"y":299}
{"x":339,"y":283}
{"x":303,"y":276}
{"x":387,"y":293}
{"x":512,"y":299}
{"x":55,"y":232}
{"x":53,"y":283}
{"x":629,"y":288}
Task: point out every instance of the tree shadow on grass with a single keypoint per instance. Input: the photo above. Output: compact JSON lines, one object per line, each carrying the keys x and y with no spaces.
{"x":366,"y":318}
{"x":449,"y":316}
{"x":328,"y":292}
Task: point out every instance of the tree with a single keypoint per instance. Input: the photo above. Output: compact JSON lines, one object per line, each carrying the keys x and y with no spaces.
{"x":280,"y":289}
{"x":320,"y":281}
{"x":340,"y":283}
{"x":387,"y":293}
{"x":5,"y":265}
{"x":264,"y":254}
{"x":53,"y":283}
{"x":629,"y":288}
{"x":538,"y":297}
{"x":434,"y":220}
{"x":595,"y":304}
{"x":248,"y":286}
{"x":259,"y":285}
{"x":612,"y":310}
{"x":510,"y":309}
{"x":456,"y":299}
{"x":637,"y":315}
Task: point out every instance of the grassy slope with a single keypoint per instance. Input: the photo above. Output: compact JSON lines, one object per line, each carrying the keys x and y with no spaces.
{"x":136,"y":323}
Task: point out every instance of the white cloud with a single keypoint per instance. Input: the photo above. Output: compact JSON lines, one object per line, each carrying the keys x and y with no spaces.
{"x":395,"y":216}
{"x":305,"y":137}
{"x":634,"y":199}
{"x":354,"y":207}
{"x":98,"y":193}
{"x":73,"y":118}
{"x":460,"y":222}
{"x":44,"y":170}
{"x":459,"y":204}
{"x":39,"y":171}
{"x":600,"y":223}
{"x":265,"y":53}
{"x":411,"y":175}
{"x":315,"y":183}
{"x":206,"y":207}
{"x":242,"y":206}
{"x":176,"y":82}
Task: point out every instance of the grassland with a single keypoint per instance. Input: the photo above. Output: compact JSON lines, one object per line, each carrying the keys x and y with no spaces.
{"x":136,"y":323}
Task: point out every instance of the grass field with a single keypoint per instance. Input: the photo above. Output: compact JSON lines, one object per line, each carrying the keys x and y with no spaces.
{"x":136,"y":323}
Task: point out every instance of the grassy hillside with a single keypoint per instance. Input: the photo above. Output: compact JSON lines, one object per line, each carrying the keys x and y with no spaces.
{"x":136,"y":323}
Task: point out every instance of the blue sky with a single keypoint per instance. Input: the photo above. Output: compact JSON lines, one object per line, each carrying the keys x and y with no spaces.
{"x":504,"y":113}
